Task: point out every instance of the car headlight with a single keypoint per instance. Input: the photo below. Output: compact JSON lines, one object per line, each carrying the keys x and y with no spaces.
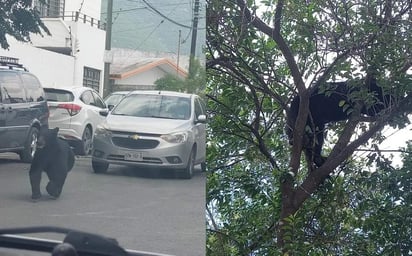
{"x":102,"y":131}
{"x":179,"y":137}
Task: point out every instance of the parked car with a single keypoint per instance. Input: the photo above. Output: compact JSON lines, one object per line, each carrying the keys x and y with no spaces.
{"x":76,"y":112}
{"x":113,"y":98}
{"x":153,"y":129}
{"x":23,"y":109}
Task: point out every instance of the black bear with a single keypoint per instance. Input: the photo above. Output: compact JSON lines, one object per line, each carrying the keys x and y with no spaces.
{"x":53,"y":156}
{"x":326,"y":106}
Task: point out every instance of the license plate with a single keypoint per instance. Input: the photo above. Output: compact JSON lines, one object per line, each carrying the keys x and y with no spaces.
{"x":133,"y":156}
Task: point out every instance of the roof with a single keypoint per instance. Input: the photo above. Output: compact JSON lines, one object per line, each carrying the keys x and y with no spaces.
{"x":117,"y":71}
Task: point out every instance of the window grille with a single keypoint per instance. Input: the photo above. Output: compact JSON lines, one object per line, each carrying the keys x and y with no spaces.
{"x":50,"y":8}
{"x":91,"y":78}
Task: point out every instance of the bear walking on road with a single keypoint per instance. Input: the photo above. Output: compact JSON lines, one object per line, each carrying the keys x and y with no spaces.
{"x":53,"y":156}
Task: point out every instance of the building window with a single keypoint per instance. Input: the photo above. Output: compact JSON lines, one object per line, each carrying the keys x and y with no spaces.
{"x":91,"y":78}
{"x":50,"y":8}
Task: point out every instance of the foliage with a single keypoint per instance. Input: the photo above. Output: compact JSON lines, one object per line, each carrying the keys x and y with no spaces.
{"x":382,"y":203}
{"x":194,"y":83}
{"x":18,"y":19}
{"x":263,"y":197}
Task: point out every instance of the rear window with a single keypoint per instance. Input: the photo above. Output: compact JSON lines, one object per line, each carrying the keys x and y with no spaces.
{"x":58,"y":95}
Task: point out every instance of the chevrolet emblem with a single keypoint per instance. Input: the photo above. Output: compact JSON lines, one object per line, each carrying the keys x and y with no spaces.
{"x":134,"y":137}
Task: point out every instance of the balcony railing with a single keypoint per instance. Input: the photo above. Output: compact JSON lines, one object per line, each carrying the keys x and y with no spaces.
{"x":55,"y":9}
{"x":80,"y":17}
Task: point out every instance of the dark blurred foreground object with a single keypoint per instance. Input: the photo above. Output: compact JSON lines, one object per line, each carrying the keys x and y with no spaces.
{"x":64,"y":249}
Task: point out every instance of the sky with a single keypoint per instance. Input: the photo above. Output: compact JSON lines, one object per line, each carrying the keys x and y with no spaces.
{"x":148,"y":25}
{"x":396,"y":139}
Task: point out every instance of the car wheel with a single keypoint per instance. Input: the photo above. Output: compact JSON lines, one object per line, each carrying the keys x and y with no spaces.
{"x":85,"y":146}
{"x":203,"y":166}
{"x":30,"y":146}
{"x":188,"y":171}
{"x":99,"y":167}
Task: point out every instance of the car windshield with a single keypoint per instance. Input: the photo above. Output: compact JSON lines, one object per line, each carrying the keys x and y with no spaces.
{"x":157,"y":106}
{"x":113,"y":99}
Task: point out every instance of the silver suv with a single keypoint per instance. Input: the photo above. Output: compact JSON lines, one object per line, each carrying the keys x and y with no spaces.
{"x":153,"y":129}
{"x":23,"y":109}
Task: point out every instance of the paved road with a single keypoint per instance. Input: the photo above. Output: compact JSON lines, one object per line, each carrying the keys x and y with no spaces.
{"x":143,"y":210}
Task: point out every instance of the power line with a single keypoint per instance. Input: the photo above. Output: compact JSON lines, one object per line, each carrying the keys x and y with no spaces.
{"x":127,"y":10}
{"x":81,"y":6}
{"x":164,"y":16}
{"x":148,"y":36}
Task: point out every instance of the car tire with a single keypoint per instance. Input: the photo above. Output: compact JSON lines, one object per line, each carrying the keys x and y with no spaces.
{"x":84,"y":148}
{"x":30,"y":146}
{"x":187,"y":172}
{"x":99,"y":167}
{"x":203,"y":166}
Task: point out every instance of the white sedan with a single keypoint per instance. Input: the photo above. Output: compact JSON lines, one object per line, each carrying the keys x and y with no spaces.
{"x":158,"y":129}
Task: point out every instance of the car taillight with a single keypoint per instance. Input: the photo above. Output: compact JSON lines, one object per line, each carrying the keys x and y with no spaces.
{"x":73,"y":109}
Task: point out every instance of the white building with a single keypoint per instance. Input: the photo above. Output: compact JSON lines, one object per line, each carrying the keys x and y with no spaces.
{"x":73,"y":54}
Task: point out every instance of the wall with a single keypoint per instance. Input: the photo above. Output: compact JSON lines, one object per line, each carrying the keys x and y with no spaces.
{"x":90,"y":50}
{"x":60,"y":34}
{"x":52,"y":69}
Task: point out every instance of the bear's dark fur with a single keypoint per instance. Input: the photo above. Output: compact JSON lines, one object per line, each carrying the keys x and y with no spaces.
{"x":326,"y":106}
{"x":53,"y":156}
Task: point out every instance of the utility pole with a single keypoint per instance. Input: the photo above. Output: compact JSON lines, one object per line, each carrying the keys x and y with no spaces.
{"x":108,"y":57}
{"x":194,"y":35}
{"x":178,"y":52}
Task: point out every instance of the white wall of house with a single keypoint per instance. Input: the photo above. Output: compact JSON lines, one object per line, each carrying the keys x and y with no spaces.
{"x":90,"y":43}
{"x":60,"y":34}
{"x":52,"y":69}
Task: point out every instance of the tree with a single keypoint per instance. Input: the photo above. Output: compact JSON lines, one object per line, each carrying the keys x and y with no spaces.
{"x":18,"y":19}
{"x":263,"y":196}
{"x":194,"y":83}
{"x":381,"y":204}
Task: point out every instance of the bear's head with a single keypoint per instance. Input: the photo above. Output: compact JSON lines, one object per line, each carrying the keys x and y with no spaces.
{"x":47,"y":137}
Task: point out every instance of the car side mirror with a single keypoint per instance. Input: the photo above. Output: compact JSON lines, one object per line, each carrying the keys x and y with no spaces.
{"x":201,"y":119}
{"x":104,"y":112}
{"x":110,"y":107}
